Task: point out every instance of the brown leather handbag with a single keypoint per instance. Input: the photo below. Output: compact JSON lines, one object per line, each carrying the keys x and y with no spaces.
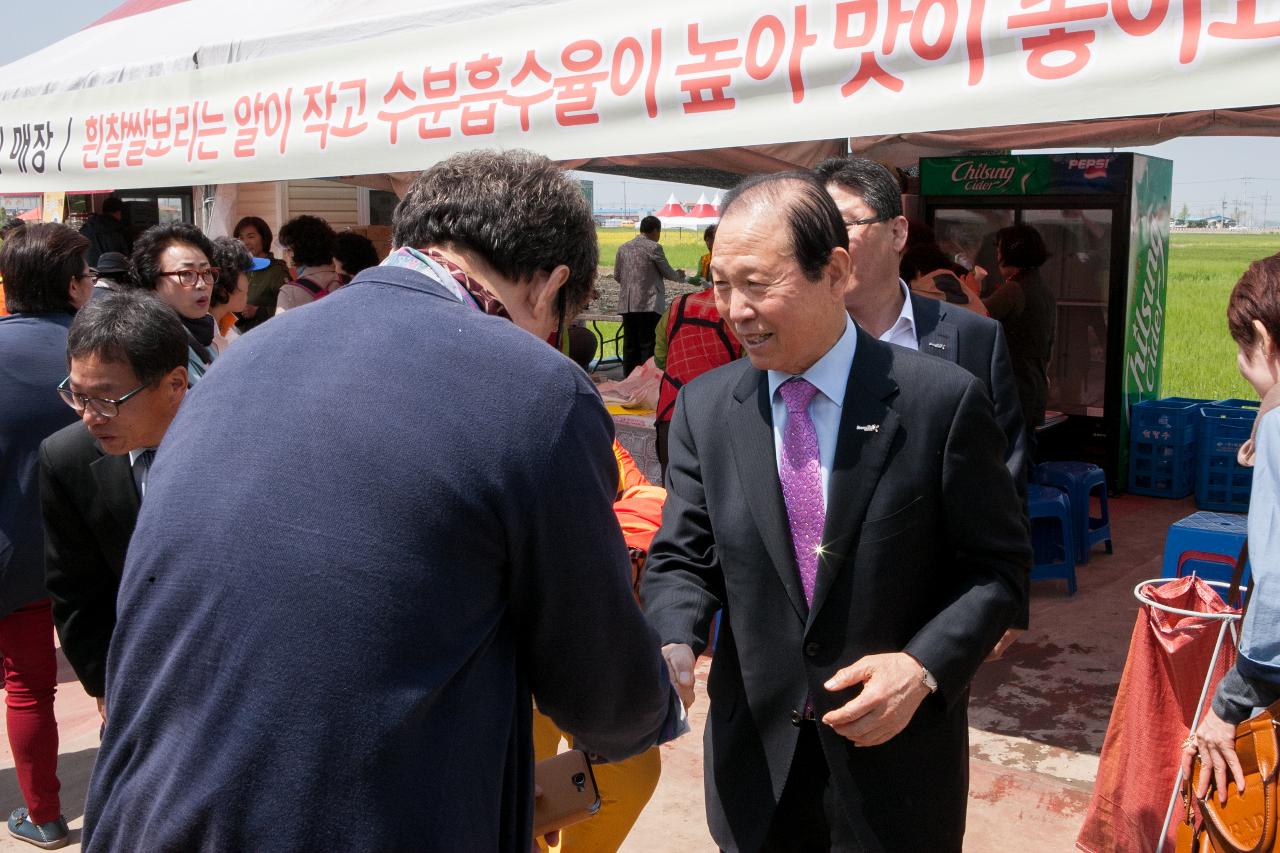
{"x":1246,"y":823}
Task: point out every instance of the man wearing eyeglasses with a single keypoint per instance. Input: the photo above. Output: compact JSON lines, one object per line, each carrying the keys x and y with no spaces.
{"x":869,"y":199}
{"x":128,"y":358}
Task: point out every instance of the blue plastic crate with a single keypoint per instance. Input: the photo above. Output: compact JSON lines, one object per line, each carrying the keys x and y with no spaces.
{"x":1168,"y":419}
{"x":1161,"y":468}
{"x":1222,"y":483}
{"x":1236,"y":404}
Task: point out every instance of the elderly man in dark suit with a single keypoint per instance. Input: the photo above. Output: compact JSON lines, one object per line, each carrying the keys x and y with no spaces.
{"x":340,"y":652}
{"x":46,"y":280}
{"x":846,"y":504}
{"x":128,"y":357}
{"x":870,"y":202}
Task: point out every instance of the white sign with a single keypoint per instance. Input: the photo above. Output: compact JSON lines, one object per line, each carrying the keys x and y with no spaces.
{"x":658,"y":76}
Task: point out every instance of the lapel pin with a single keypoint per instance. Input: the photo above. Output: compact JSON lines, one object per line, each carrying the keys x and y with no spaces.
{"x":868,"y":428}
{"x":937,"y":345}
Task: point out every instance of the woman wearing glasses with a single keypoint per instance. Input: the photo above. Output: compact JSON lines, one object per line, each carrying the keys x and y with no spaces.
{"x":46,"y":281}
{"x":172,"y":260}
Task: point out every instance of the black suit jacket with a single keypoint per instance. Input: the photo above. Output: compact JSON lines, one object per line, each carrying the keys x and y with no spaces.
{"x":977,"y":344}
{"x":90,"y":505}
{"x":924,"y":552}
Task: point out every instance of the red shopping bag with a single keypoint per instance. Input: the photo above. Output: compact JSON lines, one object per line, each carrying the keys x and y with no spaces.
{"x":1169,"y":656}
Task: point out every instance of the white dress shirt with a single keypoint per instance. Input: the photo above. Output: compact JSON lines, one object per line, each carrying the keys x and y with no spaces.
{"x":903,"y":331}
{"x":830,"y":375}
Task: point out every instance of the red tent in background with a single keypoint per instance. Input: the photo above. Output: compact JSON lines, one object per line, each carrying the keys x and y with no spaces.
{"x":32,"y":215}
{"x":703,"y":210}
{"x":672,"y":209}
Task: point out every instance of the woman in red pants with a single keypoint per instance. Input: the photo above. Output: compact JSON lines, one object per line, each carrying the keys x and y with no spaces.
{"x":46,"y":280}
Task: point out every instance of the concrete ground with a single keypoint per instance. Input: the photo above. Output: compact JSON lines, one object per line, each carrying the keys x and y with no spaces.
{"x":1037,"y":717}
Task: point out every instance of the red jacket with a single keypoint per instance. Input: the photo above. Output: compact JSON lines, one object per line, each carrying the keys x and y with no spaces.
{"x":698,"y":340}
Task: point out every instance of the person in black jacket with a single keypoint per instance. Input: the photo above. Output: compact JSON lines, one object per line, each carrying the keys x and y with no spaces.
{"x":105,"y":231}
{"x":869,"y":199}
{"x":128,"y":356}
{"x":845,"y":504}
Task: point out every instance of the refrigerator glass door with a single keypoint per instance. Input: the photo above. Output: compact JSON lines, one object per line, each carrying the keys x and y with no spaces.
{"x":967,"y":235}
{"x":1078,"y":273}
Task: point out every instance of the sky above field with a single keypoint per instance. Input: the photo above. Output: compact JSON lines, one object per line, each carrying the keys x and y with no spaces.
{"x":1236,"y":175}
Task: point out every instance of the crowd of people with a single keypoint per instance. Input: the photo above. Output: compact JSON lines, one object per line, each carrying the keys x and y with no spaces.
{"x":338,"y":584}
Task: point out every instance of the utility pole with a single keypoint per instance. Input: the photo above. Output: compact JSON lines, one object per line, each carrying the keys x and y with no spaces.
{"x":1266,"y":197}
{"x":624,"y":199}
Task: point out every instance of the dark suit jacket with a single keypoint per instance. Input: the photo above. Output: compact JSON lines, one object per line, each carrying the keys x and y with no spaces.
{"x":925,"y":550}
{"x":977,"y":344}
{"x":90,"y":505}
{"x":33,"y":360}
{"x":335,"y":645}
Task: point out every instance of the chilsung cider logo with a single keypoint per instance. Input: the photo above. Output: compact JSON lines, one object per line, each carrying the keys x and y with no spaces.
{"x":982,"y":176}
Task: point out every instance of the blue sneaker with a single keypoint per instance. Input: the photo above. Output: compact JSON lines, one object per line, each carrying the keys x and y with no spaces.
{"x":50,"y":836}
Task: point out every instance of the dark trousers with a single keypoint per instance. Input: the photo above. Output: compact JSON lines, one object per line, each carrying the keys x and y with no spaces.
{"x":639,"y":330}
{"x":660,"y":431}
{"x":808,"y":818}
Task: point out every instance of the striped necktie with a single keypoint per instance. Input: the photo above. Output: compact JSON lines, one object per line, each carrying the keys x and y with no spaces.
{"x":142,"y":467}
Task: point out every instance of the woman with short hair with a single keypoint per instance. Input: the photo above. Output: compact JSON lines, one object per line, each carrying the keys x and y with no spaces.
{"x":1029,"y":313}
{"x":308,"y":248}
{"x":173,"y":261}
{"x":1253,"y":316}
{"x":46,"y":281}
{"x":231,"y":291}
{"x":265,"y":282}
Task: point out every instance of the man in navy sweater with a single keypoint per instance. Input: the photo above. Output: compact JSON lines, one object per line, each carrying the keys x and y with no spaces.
{"x":337,"y":647}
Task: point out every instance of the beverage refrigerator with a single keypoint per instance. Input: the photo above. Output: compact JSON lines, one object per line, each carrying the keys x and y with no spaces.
{"x":1105,"y":220}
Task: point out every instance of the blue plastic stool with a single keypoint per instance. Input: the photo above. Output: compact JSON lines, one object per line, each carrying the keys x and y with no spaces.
{"x":1054,"y":550}
{"x":1206,"y":543}
{"x":1080,"y":480}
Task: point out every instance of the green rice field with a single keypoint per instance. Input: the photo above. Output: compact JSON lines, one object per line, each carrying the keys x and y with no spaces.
{"x":683,"y":248}
{"x":1199,"y":355}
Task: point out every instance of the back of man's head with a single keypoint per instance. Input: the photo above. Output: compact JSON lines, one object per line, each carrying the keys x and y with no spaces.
{"x":650,"y":226}
{"x":813,"y":221}
{"x":112,"y":206}
{"x":38,"y":263}
{"x":867,"y":179}
{"x":516,"y":210}
{"x":130,"y":327}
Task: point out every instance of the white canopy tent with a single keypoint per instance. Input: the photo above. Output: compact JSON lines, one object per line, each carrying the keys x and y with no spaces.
{"x":165,"y":92}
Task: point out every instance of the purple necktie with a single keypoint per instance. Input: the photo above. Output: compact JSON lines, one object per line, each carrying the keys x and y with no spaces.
{"x":801,"y":474}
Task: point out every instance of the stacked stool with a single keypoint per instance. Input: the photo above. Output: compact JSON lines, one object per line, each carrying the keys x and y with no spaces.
{"x":1080,"y":480}
{"x":1206,"y":543}
{"x":1055,"y":546}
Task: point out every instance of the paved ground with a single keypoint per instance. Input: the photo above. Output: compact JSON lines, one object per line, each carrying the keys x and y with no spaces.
{"x":1037,"y":717}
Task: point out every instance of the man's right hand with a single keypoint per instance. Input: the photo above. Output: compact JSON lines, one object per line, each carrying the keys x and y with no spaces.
{"x":102,"y":708}
{"x":680,"y":659}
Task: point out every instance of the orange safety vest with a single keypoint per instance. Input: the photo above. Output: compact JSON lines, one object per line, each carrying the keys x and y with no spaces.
{"x":698,"y":340}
